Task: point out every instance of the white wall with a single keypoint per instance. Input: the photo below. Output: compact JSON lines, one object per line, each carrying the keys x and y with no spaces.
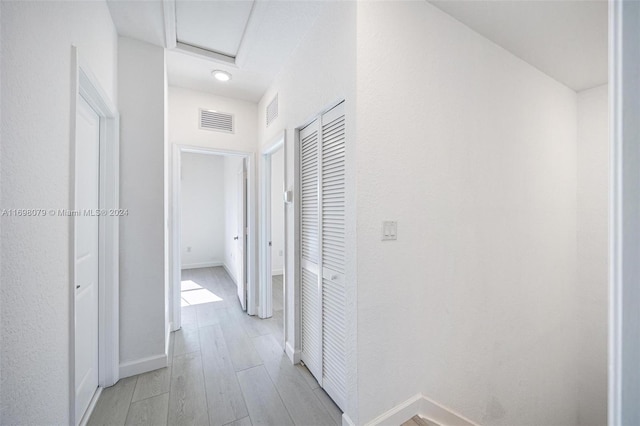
{"x":473,"y":152}
{"x":231,"y":167}
{"x":36,"y":41}
{"x":320,"y":72}
{"x":184,"y":106}
{"x":203,"y":210}
{"x":142,"y":247}
{"x":593,"y":193}
{"x":277,"y":212}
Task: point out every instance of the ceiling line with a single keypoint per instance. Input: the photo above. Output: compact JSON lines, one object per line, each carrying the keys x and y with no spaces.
{"x":242,"y":49}
{"x":170,"y":24}
{"x":206,"y":53}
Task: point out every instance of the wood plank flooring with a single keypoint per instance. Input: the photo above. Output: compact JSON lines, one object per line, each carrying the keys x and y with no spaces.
{"x":226,"y":368}
{"x":418,"y":421}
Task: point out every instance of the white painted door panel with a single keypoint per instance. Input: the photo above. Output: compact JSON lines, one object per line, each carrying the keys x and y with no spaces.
{"x":311,"y":306}
{"x":332,"y":222}
{"x":242,"y":236}
{"x":86,"y":255}
{"x":322,"y":195}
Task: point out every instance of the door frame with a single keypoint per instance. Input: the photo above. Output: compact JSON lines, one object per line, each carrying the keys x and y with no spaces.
{"x":85,"y":84}
{"x":266,"y":284}
{"x":174,"y":208}
{"x":624,"y":220}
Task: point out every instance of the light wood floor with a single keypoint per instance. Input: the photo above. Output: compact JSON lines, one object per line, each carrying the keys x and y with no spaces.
{"x":226,"y":368}
{"x":418,"y":421}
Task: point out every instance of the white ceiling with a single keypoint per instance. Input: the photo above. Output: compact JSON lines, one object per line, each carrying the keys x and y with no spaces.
{"x":566,"y":40}
{"x":142,"y":20}
{"x":218,"y":25}
{"x":272,"y":34}
{"x":261,"y":35}
{"x":194,"y":73}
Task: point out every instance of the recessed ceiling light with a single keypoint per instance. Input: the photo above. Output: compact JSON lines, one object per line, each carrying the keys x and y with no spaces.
{"x":221,"y":75}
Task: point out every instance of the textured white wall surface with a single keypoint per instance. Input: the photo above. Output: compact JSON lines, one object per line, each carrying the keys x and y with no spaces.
{"x":277,"y":211}
{"x":184,"y":106}
{"x":592,"y":289}
{"x":203,"y":210}
{"x":473,"y":152}
{"x":36,"y":40}
{"x":320,"y":72}
{"x":142,"y":251}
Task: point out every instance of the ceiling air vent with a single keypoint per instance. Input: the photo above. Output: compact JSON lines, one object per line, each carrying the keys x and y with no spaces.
{"x":214,"y":120}
{"x":272,"y":110}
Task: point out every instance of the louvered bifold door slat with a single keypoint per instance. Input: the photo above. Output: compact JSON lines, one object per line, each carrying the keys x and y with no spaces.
{"x":332,"y":214}
{"x":311,"y":306}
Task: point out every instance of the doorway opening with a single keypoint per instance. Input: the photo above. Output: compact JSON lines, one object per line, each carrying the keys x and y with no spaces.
{"x":273,"y":247}
{"x":211,"y":229}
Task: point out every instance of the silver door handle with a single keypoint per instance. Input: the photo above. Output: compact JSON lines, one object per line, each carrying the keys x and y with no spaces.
{"x":78,"y":286}
{"x":235,"y":238}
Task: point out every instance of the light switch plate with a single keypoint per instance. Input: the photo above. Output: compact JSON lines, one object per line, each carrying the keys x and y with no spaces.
{"x":389,"y":230}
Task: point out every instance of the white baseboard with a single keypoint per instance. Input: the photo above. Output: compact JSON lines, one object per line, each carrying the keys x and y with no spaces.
{"x":424,"y":407}
{"x":201,"y":265}
{"x":293,"y":355}
{"x":442,"y":415}
{"x":139,"y":366}
{"x":277,"y":272}
{"x":346,"y":421}
{"x":400,"y":413}
{"x":91,"y":407}
{"x":233,"y":277}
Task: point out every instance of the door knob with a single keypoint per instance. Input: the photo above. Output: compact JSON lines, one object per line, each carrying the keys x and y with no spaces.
{"x":235,"y":238}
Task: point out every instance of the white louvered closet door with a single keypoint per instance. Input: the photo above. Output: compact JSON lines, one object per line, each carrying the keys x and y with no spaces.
{"x":332,"y":213}
{"x":322,"y":175}
{"x":311,"y":308}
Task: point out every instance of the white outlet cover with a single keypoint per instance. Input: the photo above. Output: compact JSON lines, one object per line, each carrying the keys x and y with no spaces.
{"x":389,"y":230}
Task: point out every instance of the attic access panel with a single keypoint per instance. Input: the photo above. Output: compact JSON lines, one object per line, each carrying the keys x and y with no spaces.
{"x":217,"y":26}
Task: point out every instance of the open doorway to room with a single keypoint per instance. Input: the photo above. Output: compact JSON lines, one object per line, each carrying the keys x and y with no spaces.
{"x":212,"y":237}
{"x":211,"y":233}
{"x":273,"y":234}
{"x":277,"y":236}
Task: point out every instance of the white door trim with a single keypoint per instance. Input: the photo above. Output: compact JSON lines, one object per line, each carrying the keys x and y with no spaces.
{"x":85,"y":84}
{"x":174,"y":208}
{"x":266,"y":289}
{"x":624,"y":213}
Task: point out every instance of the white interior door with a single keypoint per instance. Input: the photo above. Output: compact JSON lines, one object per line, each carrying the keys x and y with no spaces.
{"x":332,"y":225}
{"x":241,"y":237}
{"x":311,"y":296}
{"x":86,"y":255}
{"x":269,"y":225}
{"x":322,"y":182}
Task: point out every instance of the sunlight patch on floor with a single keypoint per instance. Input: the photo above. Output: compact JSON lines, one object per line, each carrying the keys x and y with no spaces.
{"x":194,"y":294}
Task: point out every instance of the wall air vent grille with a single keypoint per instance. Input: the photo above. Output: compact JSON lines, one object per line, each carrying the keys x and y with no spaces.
{"x":218,"y":121}
{"x":272,"y":110}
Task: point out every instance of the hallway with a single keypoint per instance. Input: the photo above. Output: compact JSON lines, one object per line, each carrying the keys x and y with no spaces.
{"x":225,"y":368}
